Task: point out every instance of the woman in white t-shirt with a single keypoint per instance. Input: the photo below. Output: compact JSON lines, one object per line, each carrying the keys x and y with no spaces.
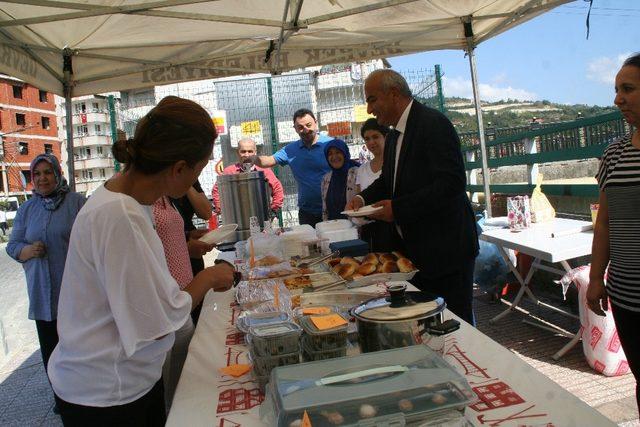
{"x":119,"y":305}
{"x":376,"y":233}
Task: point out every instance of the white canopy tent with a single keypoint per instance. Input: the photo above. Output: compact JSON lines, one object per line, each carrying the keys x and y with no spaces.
{"x":81,"y":47}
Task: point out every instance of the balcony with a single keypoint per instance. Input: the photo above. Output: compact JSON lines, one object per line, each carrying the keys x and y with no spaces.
{"x":96,"y":161}
{"x":86,"y":140}
{"x":91,"y":117}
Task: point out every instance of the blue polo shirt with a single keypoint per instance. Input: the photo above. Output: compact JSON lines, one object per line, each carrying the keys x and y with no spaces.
{"x":308,"y":166}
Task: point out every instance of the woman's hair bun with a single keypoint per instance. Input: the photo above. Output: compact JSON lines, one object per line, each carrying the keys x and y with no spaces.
{"x":123,"y":151}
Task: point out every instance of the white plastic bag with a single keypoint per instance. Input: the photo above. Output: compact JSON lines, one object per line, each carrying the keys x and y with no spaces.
{"x":600,"y":341}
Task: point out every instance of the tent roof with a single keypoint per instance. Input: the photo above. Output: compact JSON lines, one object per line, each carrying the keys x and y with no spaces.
{"x":117,"y":45}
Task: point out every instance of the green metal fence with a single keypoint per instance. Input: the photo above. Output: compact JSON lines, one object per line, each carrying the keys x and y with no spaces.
{"x":581,"y":139}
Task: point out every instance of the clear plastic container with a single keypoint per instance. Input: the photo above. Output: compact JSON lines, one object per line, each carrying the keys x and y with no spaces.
{"x":248,"y":319}
{"x":322,"y":340}
{"x":274,"y":339}
{"x":311,"y":355}
{"x":262,"y":365}
{"x":414,"y":383}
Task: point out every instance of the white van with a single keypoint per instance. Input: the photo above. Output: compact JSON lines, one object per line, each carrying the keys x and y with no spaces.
{"x":13,"y":203}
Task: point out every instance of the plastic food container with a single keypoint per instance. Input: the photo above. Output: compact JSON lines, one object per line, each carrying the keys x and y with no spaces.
{"x":274,"y":339}
{"x":262,"y":365}
{"x":310,"y":355}
{"x":410,"y":385}
{"x":248,"y":320}
{"x":321,"y":340}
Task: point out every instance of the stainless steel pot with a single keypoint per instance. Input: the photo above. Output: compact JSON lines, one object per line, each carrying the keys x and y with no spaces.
{"x":242,"y":196}
{"x":400,"y":320}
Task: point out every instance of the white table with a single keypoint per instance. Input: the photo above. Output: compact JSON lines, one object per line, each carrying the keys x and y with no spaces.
{"x":514,"y":393}
{"x":537,"y":241}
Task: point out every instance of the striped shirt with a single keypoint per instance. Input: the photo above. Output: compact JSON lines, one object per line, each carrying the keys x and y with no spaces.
{"x":619,"y":178}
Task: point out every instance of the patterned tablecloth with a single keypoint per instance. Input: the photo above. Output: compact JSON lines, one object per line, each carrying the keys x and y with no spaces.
{"x":511,"y":392}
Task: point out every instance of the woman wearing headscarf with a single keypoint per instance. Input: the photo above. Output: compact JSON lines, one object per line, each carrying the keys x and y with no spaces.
{"x":339,"y":184}
{"x":40,"y":239}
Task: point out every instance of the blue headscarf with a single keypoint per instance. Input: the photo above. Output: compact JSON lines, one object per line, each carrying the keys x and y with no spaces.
{"x":337,"y":191}
{"x":53,"y":200}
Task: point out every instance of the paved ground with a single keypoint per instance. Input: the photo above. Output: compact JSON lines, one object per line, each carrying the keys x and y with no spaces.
{"x":26,"y":398}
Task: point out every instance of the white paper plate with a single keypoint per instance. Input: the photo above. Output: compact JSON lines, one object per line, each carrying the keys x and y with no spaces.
{"x":363,"y":211}
{"x":219,"y":234}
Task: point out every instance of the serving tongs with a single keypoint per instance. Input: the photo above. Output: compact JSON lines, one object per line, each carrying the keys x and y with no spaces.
{"x":314,"y":261}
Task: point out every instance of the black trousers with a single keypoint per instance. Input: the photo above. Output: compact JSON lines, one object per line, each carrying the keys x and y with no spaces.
{"x":456,"y":288}
{"x":147,"y":411}
{"x":197,"y":265}
{"x":48,"y":338}
{"x":305,"y":217}
{"x":379,"y":235}
{"x":626,"y":323}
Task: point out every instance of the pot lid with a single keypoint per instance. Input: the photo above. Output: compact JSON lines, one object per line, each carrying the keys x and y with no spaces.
{"x":400,"y":305}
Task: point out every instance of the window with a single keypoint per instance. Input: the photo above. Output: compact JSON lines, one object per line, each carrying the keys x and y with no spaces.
{"x":98,"y":129}
{"x":90,"y":174}
{"x":23,"y":148}
{"x":84,"y":174}
{"x":26,"y":177}
{"x":17,"y":92}
{"x":42,"y":94}
{"x":88,"y":152}
{"x":99,"y":150}
{"x":46,"y":122}
{"x":96,"y":107}
{"x":102,"y":173}
{"x":48,"y":148}
{"x":82,"y":130}
{"x":81,"y":108}
{"x":20,"y":119}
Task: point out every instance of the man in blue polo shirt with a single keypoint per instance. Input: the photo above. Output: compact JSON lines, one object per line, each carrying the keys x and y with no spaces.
{"x":308,"y":164}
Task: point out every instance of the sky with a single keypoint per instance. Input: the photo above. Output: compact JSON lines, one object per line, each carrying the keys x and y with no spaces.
{"x":547,"y":57}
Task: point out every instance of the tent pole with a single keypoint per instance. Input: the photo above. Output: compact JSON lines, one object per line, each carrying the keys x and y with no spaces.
{"x":68,"y":89}
{"x":476,"y":97}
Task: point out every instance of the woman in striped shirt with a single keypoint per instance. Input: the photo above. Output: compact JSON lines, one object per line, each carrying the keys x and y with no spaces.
{"x":616,"y":238}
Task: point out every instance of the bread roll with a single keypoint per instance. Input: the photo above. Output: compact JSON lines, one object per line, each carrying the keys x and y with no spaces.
{"x":405,"y":265}
{"x":346,"y":270}
{"x":390,"y":267}
{"x":349,"y":260}
{"x":398,"y":254}
{"x":371,"y":259}
{"x":387,"y":257}
{"x":357,"y":276}
{"x":366,"y":268}
{"x":334,"y":261}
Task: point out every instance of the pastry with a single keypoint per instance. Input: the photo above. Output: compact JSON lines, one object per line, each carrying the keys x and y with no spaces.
{"x":371,"y":259}
{"x":405,"y":265}
{"x":366,"y":268}
{"x":388,"y":257}
{"x":349,"y":260}
{"x":390,"y":267}
{"x":268,"y":260}
{"x":334,"y":261}
{"x":297,"y":282}
{"x":398,"y":254}
{"x":346,"y":270}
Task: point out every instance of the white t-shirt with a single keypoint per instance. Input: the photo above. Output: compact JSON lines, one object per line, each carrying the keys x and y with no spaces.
{"x":366,"y":176}
{"x":118,"y":307}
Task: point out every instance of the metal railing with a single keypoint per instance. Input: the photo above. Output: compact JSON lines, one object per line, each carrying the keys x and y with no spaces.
{"x":577,"y":140}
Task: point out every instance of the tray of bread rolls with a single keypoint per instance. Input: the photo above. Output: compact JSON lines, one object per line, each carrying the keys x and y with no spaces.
{"x":373,"y":268}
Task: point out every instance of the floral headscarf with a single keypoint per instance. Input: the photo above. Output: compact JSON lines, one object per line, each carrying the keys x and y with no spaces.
{"x":53,"y":200}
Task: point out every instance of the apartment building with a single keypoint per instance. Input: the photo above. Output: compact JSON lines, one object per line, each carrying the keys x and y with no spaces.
{"x":93,"y":161}
{"x":27,"y":128}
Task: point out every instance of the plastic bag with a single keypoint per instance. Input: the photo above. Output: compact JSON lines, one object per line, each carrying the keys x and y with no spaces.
{"x":491,"y":272}
{"x":600,"y":341}
{"x":541,"y":209}
{"x":267,"y":247}
{"x":259,"y":296}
